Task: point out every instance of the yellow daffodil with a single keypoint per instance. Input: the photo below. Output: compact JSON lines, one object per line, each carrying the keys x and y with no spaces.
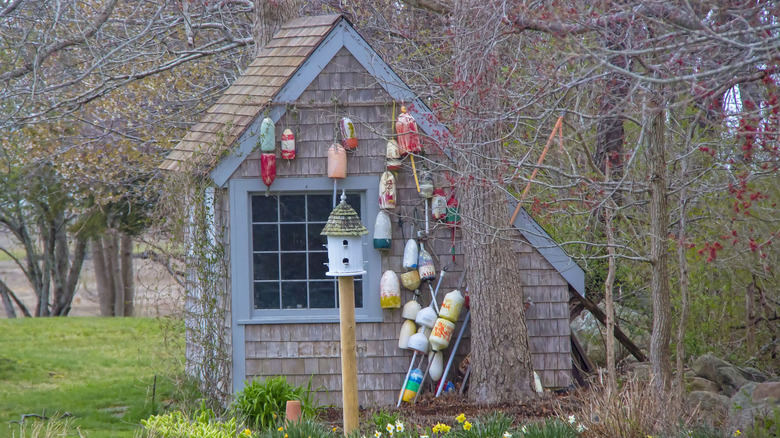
{"x":737,"y":433}
{"x":466,"y":425}
{"x":281,"y":428}
{"x":286,"y":436}
{"x":335,"y":429}
{"x":461,"y":418}
{"x":246,"y":432}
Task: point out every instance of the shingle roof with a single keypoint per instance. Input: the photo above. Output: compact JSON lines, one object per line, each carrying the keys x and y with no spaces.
{"x":242,"y":102}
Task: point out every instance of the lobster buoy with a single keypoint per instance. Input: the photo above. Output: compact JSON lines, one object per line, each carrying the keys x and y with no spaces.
{"x":268,"y":168}
{"x":337,"y":161}
{"x":348,"y":133}
{"x":411,"y":309}
{"x":451,"y":306}
{"x":267,"y":135}
{"x":383,"y":235}
{"x":438,"y":205}
{"x":426,"y":317}
{"x":441,"y":334}
{"x":387,"y":191}
{"x":407,"y":330}
{"x":288,"y":145}
{"x":410,"y":255}
{"x":411,"y":280}
{"x":406,"y":128}
{"x":393,"y":156}
{"x":453,"y":212}
{"x":419,"y":342}
{"x":436,"y":369}
{"x":426,"y":183}
{"x":425,"y":265}
{"x":389,"y":291}
{"x":413,"y":385}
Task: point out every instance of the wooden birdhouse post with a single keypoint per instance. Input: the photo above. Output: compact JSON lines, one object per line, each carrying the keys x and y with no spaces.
{"x":345,"y":260}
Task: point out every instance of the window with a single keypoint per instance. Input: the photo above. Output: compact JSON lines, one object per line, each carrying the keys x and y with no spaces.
{"x":289,"y":254}
{"x":277,"y":255}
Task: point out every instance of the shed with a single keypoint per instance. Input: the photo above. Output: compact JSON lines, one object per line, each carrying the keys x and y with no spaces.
{"x":284,"y":316}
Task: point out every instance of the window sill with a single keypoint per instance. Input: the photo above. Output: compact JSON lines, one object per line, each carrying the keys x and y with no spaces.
{"x":301,"y":319}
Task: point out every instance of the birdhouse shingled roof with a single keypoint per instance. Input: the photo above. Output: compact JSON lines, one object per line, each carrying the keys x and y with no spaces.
{"x":250,"y":95}
{"x":344,"y":221}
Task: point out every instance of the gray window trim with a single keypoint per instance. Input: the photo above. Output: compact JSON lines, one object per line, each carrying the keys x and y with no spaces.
{"x":240,"y":251}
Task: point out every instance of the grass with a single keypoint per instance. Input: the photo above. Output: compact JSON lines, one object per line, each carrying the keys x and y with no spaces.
{"x":100,"y":370}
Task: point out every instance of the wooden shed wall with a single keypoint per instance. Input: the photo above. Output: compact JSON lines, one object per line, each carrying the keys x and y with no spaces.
{"x":344,"y":88}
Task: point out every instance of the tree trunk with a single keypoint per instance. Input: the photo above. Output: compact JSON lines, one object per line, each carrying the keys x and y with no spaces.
{"x":502,"y":370}
{"x":750,"y":320}
{"x":682,"y":261}
{"x":269,"y":17}
{"x":9,"y":306}
{"x":112,"y":264}
{"x":126,"y":265}
{"x":609,"y":283}
{"x":659,"y":254}
{"x":70,"y":279}
{"x":102,"y":278}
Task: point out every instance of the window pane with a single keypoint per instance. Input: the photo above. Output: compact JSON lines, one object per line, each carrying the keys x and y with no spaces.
{"x":320,"y":207}
{"x":316,"y":240}
{"x":353,"y":199}
{"x":322,"y":294}
{"x":264,"y":209}
{"x":267,"y":295}
{"x":293,"y":237}
{"x":266,"y":266}
{"x":294,"y":295}
{"x":293,"y":266}
{"x":292,"y":208}
{"x":264,"y":238}
{"x":317,"y":268}
{"x":358,"y":292}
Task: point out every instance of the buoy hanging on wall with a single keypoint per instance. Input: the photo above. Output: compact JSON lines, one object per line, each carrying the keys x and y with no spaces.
{"x":411,"y":280}
{"x":348,"y":134}
{"x":393,"y":156}
{"x":453,"y":212}
{"x":425,"y":265}
{"x":268,"y":168}
{"x":426,"y":317}
{"x":288,"y":145}
{"x":267,"y":135}
{"x":337,"y":161}
{"x":438,"y":205}
{"x":406,"y":128}
{"x":410,"y":255}
{"x":383,"y":235}
{"x":387,"y":191}
{"x":389,"y":291}
{"x":410,"y":309}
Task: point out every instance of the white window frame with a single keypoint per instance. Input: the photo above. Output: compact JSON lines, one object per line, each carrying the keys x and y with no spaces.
{"x":242,"y":288}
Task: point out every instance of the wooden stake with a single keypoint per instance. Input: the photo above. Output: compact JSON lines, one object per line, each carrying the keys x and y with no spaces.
{"x":349,"y":381}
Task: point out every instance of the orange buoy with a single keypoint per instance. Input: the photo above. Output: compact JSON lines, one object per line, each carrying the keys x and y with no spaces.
{"x":406,"y":128}
{"x":441,"y":334}
{"x":337,"y":161}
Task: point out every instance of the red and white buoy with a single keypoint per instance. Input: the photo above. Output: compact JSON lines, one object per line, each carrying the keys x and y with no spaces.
{"x":406,"y":128}
{"x":288,"y":145}
{"x":387,"y":191}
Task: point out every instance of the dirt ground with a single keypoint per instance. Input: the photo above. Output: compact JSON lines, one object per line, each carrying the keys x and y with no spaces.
{"x":157,"y":294}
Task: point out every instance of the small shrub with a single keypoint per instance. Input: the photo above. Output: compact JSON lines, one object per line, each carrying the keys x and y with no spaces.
{"x":551,"y":428}
{"x":306,"y":428}
{"x":178,"y":425}
{"x":262,"y":403}
{"x":493,"y":425}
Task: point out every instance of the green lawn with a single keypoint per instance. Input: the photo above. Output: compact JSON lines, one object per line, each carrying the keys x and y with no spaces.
{"x":100,"y":370}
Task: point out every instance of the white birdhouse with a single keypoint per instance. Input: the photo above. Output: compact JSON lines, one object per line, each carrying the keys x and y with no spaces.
{"x":345,"y":244}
